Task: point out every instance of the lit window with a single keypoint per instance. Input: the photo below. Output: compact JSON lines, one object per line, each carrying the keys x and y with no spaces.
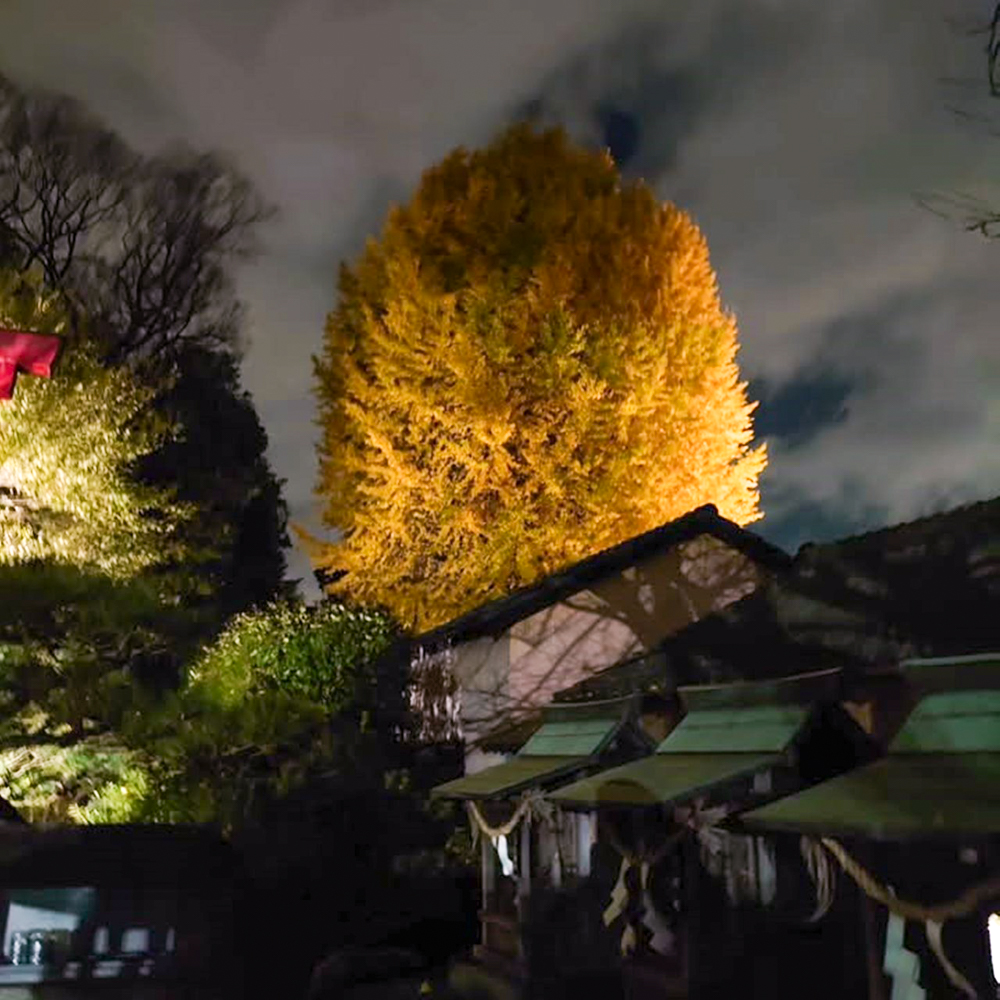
{"x":993,"y":927}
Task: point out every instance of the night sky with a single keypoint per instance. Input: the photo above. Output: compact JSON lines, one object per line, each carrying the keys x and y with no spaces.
{"x":798,"y":134}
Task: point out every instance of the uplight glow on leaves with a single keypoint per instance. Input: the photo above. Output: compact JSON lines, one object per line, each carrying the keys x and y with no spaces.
{"x":530,"y":364}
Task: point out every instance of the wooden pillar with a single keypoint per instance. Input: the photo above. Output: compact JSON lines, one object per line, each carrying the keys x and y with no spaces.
{"x":523,"y":882}
{"x":584,"y":842}
{"x":555,"y":847}
{"x":524,"y":885}
{"x":487,"y":865}
{"x":488,"y":869}
{"x":693,"y":918}
{"x":873,"y":951}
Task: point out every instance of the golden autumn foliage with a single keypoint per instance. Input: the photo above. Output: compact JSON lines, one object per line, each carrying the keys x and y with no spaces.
{"x":529,"y":365}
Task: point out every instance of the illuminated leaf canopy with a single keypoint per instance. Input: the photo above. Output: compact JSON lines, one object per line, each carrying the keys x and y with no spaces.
{"x":320,"y":654}
{"x":530,"y":364}
{"x":67,"y":449}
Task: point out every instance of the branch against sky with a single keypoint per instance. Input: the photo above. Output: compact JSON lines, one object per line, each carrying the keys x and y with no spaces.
{"x":141,"y":250}
{"x":974,"y":213}
{"x":144,"y":246}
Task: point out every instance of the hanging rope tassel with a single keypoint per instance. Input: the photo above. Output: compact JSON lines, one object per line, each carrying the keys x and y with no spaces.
{"x":662,"y":941}
{"x":931,"y":916}
{"x":646,"y":860}
{"x":500,"y":846}
{"x":474,"y":828}
{"x":629,"y":940}
{"x":823,"y":875}
{"x":966,"y":904}
{"x":504,"y":829}
{"x":955,"y":977}
{"x":619,"y":895}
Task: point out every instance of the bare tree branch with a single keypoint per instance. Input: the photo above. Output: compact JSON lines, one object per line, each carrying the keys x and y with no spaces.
{"x":143,"y":246}
{"x":993,"y":51}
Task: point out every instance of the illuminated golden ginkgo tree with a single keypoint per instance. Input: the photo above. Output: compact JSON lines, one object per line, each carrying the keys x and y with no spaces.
{"x":530,"y":364}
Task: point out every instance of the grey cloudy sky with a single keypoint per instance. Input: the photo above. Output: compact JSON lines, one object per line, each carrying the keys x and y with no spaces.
{"x":797,"y":133}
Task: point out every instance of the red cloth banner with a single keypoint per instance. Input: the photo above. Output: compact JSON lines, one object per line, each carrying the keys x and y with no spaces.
{"x":29,"y":352}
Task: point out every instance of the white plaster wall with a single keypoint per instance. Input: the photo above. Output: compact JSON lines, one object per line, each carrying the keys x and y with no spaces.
{"x":579,"y":643}
{"x":482,"y":669}
{"x":620,"y":617}
{"x":624,"y":616}
{"x":477,"y":760}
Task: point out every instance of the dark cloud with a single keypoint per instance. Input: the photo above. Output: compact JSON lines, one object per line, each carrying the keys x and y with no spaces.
{"x":621,"y":133}
{"x":795,"y":411}
{"x":663,"y":78}
{"x":622,"y":96}
{"x":796,"y":133}
{"x":803,"y":522}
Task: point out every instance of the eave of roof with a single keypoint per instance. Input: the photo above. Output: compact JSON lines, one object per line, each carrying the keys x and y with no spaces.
{"x":930,"y":583}
{"x":876,"y":538}
{"x":510,"y":737}
{"x":744,"y":641}
{"x":571,"y":738}
{"x":493,"y":617}
{"x":979,"y":671}
{"x":942,"y":773}
{"x":799,"y":690}
{"x":896,"y":798}
{"x":662,"y":779}
{"x":732,"y":731}
{"x":511,"y":777}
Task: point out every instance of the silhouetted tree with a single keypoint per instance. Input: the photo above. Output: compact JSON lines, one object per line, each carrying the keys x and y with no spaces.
{"x":140,"y":249}
{"x":142,"y":245}
{"x":217,"y":464}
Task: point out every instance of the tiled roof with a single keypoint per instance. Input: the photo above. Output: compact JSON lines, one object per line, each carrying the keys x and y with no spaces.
{"x":745,"y":641}
{"x":660,"y":779}
{"x":731,"y":731}
{"x":927,"y":587}
{"x":941,"y":774}
{"x":571,"y":739}
{"x":510,"y":737}
{"x":511,"y":777}
{"x":932,"y":584}
{"x":963,"y":518}
{"x":494,"y":617}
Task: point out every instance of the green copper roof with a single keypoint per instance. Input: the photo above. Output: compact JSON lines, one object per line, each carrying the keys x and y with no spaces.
{"x":799,"y":689}
{"x":509,"y":778}
{"x":661,"y":778}
{"x":896,"y":798}
{"x":581,"y":738}
{"x":767,"y":728}
{"x":571,"y":737}
{"x":942,"y":773}
{"x":730,"y":731}
{"x":952,"y":722}
{"x":749,"y":716}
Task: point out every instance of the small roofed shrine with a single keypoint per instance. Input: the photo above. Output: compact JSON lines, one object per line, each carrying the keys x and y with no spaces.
{"x":750,"y":738}
{"x":688,"y":888}
{"x":524,"y":839}
{"x":700,"y":881}
{"x":917,"y":833}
